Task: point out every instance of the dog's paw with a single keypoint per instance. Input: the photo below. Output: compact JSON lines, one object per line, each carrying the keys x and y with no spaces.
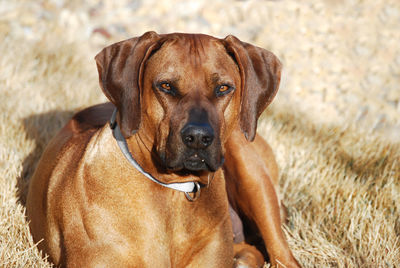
{"x":248,"y":257}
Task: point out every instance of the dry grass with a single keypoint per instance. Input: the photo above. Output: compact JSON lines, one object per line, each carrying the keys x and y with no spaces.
{"x":335,"y":125}
{"x":342,"y":189}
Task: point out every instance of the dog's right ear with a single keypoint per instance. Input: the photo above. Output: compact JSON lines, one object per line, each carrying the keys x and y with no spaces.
{"x":120,"y":68}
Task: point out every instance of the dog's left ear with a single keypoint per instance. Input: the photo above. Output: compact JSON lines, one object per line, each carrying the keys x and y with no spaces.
{"x":120,"y":68}
{"x":260,"y":72}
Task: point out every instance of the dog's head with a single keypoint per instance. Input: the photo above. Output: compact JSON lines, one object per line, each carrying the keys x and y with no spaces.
{"x":187,"y":92}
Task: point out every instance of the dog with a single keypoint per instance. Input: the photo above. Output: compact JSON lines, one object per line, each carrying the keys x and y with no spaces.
{"x":164,"y":174}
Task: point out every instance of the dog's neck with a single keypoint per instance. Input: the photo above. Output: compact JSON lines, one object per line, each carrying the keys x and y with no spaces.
{"x":136,"y":146}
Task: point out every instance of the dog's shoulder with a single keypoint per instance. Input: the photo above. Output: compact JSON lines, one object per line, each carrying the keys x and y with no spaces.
{"x":71,"y":142}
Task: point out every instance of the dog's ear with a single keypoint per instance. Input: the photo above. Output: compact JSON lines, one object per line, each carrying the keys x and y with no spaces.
{"x":120,"y":68}
{"x":260,"y":72}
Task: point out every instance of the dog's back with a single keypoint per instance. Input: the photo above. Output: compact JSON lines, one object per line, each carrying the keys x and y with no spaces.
{"x":91,"y":118}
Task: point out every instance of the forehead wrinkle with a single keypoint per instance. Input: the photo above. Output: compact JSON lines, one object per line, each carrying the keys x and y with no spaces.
{"x":196,"y":50}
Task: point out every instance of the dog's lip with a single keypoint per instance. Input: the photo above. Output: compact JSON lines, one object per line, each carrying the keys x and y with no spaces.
{"x":195,"y":164}
{"x":193,"y":161}
{"x":195,"y":158}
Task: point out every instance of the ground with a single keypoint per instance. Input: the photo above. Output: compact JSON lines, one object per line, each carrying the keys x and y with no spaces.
{"x":334,"y":125}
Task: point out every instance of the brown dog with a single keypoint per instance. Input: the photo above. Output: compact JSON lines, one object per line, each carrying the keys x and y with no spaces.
{"x":184,"y":102}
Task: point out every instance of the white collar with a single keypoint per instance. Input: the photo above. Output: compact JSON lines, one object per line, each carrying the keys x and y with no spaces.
{"x":186,"y":187}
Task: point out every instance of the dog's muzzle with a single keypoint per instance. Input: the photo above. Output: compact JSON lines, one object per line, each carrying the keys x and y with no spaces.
{"x":197,"y":137}
{"x":195,"y":145}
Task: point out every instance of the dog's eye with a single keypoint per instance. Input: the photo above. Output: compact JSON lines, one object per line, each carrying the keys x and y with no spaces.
{"x":223,"y":89}
{"x":165,"y":86}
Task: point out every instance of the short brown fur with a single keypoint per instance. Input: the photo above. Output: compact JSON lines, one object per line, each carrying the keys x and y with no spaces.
{"x":92,"y":208}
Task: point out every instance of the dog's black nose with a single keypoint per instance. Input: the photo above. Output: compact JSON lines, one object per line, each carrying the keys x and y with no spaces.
{"x":197,"y":136}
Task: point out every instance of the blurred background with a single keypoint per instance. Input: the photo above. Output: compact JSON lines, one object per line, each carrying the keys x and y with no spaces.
{"x":341,"y":58}
{"x":334,"y":125}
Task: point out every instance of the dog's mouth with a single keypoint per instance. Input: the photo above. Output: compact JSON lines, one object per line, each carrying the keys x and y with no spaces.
{"x":194,"y":162}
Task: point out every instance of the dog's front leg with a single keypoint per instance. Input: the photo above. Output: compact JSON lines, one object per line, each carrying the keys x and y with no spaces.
{"x":251,"y":186}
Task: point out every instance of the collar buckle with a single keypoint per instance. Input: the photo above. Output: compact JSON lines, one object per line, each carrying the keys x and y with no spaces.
{"x":196,"y":193}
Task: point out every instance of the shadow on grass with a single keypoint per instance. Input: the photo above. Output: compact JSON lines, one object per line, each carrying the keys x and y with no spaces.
{"x":339,"y":141}
{"x":40,"y":128}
